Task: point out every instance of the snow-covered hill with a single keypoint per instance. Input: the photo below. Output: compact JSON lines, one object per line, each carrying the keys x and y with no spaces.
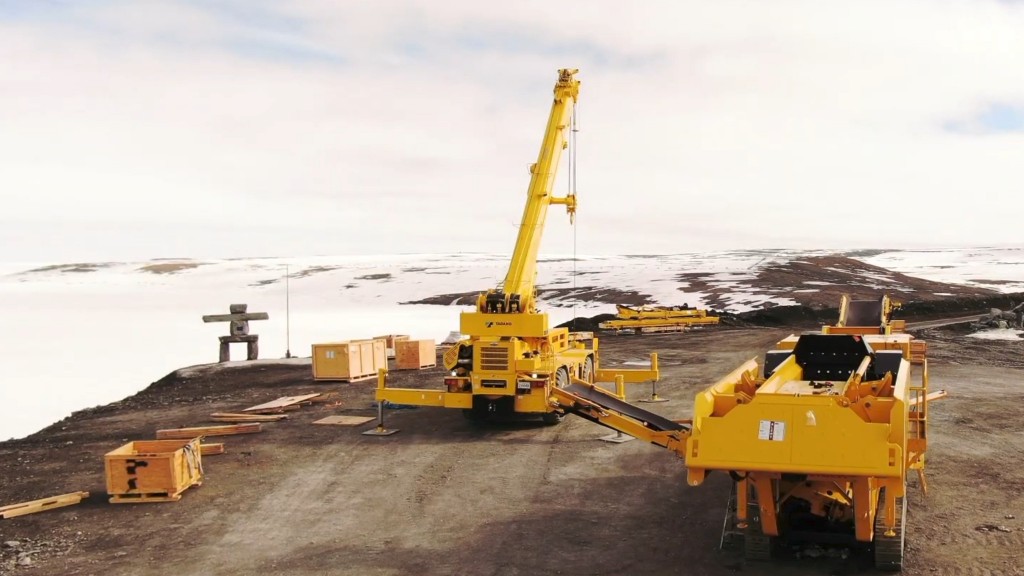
{"x":82,"y":334}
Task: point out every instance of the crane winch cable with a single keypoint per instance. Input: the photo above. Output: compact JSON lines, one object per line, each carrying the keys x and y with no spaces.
{"x":573,"y":129}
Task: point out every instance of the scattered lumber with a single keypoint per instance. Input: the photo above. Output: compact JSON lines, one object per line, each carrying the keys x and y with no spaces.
{"x":931,"y":396}
{"x":281,"y":403}
{"x":236,"y":417}
{"x":226,"y":430}
{"x":344,"y":420}
{"x":41,"y":505}
{"x":280,"y":410}
{"x":211,"y":449}
{"x":328,"y":398}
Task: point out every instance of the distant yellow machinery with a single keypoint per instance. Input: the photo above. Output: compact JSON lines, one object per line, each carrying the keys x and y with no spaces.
{"x":644,"y":319}
{"x":866,"y":316}
{"x":818,"y":439}
{"x":511,"y":359}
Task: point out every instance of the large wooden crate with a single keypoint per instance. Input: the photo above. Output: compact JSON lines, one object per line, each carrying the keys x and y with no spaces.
{"x":153,"y":470}
{"x":415,"y":354}
{"x":349,"y":361}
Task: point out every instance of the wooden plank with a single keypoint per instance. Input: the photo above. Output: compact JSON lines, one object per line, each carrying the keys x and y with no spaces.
{"x":23,"y":508}
{"x":281,"y":402}
{"x":211,"y":449}
{"x":235,"y":417}
{"x":277,"y":411}
{"x":344,"y":420}
{"x":236,"y":317}
{"x":226,"y":430}
{"x":327,"y":398}
{"x":932,"y":396}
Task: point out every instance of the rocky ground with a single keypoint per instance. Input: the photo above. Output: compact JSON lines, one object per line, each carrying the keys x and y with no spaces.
{"x":444,"y":496}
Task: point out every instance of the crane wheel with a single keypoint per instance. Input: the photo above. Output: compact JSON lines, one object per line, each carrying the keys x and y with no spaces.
{"x":587,"y":370}
{"x":561,"y":381}
{"x":551,"y":418}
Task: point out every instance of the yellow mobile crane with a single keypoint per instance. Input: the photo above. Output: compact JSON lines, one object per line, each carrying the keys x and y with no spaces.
{"x":511,"y":359}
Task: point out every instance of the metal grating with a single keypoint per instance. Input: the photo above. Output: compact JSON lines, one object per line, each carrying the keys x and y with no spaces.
{"x":494,"y":358}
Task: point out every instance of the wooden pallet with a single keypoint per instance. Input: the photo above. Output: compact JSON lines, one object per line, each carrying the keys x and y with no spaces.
{"x":358,"y":378}
{"x":154,"y":497}
{"x":31,"y":507}
{"x":241,"y":418}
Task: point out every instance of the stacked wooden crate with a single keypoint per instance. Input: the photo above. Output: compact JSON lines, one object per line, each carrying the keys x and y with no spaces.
{"x":389,"y":342}
{"x":415,"y":354}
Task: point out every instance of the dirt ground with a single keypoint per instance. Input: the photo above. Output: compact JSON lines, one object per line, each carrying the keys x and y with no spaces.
{"x":444,"y":496}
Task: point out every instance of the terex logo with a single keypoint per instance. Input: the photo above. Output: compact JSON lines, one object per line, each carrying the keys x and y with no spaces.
{"x":493,"y":324}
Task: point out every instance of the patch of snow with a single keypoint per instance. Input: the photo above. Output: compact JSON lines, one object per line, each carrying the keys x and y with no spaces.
{"x":999,"y":334}
{"x":94,"y":337}
{"x":966,"y":266}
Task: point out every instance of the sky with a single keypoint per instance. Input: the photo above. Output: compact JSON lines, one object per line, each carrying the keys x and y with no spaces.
{"x":167,"y":129}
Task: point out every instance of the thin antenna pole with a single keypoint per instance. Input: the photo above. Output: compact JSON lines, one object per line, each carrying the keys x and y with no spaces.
{"x":287,"y":315}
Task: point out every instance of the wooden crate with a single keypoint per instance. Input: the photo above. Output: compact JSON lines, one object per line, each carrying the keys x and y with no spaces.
{"x":153,"y":470}
{"x":349,"y":361}
{"x":918,"y":351}
{"x":389,"y":342}
{"x":415,"y":354}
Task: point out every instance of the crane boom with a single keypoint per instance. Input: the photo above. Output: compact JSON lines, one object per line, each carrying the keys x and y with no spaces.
{"x":518,"y":290}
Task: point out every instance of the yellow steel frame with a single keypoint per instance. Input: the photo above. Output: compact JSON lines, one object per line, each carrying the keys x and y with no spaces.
{"x":837,"y":451}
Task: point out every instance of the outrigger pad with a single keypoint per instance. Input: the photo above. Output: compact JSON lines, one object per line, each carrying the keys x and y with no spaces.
{"x":830,"y":356}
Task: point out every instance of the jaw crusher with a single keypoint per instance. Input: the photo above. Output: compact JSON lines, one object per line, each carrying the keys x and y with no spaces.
{"x":819,"y":440}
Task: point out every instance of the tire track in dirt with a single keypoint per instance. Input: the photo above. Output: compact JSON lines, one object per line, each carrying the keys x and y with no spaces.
{"x":975,"y":571}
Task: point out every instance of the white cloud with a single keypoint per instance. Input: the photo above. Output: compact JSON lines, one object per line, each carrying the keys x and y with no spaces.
{"x":133,"y":130}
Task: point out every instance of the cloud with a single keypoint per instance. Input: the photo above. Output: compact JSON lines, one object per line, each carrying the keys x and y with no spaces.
{"x":147,"y":129}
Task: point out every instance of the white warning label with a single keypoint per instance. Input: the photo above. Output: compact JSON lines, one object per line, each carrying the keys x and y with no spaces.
{"x":772,"y":430}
